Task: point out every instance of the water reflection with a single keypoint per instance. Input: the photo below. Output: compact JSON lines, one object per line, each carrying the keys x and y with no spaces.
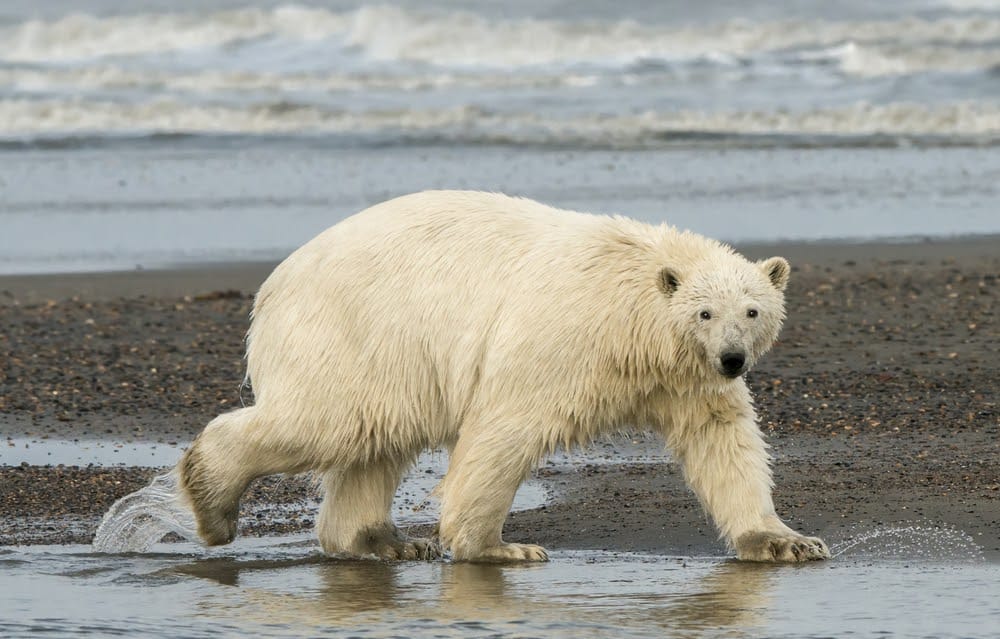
{"x":733,"y":595}
{"x":289,"y":589}
{"x":678,"y":596}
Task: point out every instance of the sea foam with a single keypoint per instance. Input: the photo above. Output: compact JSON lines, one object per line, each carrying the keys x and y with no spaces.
{"x":859,"y":124}
{"x":461,"y":39}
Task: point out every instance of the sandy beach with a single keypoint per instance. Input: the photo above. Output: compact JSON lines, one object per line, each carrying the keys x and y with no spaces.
{"x":880,"y":401}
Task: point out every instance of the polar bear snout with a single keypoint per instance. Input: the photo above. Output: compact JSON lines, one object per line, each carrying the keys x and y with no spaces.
{"x":732,"y":363}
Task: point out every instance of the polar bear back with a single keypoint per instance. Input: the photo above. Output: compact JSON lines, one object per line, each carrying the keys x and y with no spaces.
{"x":421,"y":309}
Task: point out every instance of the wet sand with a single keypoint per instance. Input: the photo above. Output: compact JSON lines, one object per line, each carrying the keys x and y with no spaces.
{"x":880,"y":401}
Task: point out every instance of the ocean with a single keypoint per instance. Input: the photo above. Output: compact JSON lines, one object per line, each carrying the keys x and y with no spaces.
{"x":154,"y":133}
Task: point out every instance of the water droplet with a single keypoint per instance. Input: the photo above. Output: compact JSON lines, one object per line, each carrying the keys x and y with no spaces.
{"x":914,"y":541}
{"x":140,"y":519}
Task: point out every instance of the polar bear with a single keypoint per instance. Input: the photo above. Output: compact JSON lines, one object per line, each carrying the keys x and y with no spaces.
{"x":501,"y":329}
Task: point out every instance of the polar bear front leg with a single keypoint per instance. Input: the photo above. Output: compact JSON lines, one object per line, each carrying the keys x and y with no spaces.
{"x":725,"y":462}
{"x":483,"y":476}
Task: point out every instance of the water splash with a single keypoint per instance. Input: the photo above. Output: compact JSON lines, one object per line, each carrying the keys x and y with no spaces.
{"x":140,"y":519}
{"x":917,"y":541}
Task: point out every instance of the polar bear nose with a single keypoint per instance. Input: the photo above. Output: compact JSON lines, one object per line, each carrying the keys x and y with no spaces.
{"x":732,"y":363}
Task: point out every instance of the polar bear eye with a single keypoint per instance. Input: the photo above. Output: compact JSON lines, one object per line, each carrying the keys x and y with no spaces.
{"x":752,"y":313}
{"x":705,"y":315}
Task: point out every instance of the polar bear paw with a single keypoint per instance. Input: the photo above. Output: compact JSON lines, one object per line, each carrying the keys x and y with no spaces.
{"x":407,"y":549}
{"x":780,"y":547}
{"x":388,"y":543}
{"x":510,"y":553}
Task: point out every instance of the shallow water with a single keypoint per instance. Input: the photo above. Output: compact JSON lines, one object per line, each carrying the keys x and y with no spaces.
{"x":37,"y":451}
{"x":281,"y":587}
{"x":910,"y":581}
{"x":148,"y":514}
{"x":412,"y":504}
{"x":43,"y":451}
{"x":150,"y":208}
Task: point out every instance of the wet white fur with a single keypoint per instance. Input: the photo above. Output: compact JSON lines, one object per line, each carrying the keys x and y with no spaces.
{"x":501,"y":329}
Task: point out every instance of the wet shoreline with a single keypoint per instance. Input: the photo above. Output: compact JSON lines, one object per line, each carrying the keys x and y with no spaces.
{"x":879,"y":402}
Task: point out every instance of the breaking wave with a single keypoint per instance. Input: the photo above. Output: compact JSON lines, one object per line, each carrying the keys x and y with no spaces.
{"x":104,"y":77}
{"x":970,"y":123}
{"x":389,"y":33}
{"x":81,"y":36}
{"x":390,"y":75}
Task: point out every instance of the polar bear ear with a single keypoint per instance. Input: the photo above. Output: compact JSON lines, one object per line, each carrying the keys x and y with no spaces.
{"x":777,"y":270}
{"x":668,"y":281}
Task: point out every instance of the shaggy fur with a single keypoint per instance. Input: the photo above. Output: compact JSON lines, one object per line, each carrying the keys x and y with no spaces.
{"x":501,"y":329}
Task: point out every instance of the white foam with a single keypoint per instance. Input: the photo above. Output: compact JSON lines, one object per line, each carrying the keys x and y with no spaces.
{"x":464,"y":39}
{"x":81,"y":36}
{"x":457,"y":39}
{"x":105,"y":77}
{"x":20,"y":119}
{"x":874,"y":60}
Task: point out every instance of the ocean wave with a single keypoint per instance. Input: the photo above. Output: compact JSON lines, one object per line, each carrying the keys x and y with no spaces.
{"x":28,"y":122}
{"x":106,"y":77}
{"x":387,"y":33}
{"x":877,"y":60}
{"x":391,"y":33}
{"x":82,"y":36}
{"x":850,"y":58}
{"x":972,"y":5}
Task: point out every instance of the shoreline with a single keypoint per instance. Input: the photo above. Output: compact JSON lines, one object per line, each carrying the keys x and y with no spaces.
{"x":879,"y":401}
{"x":246,"y":276}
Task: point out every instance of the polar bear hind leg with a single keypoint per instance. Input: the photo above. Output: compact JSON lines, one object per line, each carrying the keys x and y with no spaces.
{"x":220,"y":464}
{"x":355,"y":516}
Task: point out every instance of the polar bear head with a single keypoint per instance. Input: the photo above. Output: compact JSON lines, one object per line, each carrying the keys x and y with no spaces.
{"x":728,"y":310}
